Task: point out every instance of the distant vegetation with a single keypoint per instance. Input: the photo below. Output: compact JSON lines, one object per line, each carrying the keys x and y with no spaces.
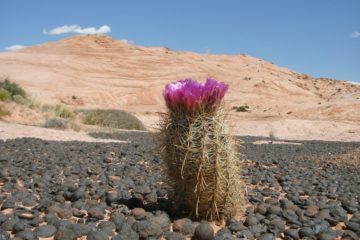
{"x":111,"y":118}
{"x":11,"y":88}
{"x":3,"y":111}
{"x":9,"y":91}
{"x":272,"y":136}
{"x":243,"y":108}
{"x":64,"y":117}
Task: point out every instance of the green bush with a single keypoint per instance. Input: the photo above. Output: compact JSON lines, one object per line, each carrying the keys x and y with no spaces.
{"x":111,"y":118}
{"x":57,"y":123}
{"x":12,"y":88}
{"x":4,"y":95}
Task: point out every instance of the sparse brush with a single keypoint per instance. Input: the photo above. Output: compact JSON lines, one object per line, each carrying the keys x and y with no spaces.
{"x":199,"y":153}
{"x":3,"y":111}
{"x":57,"y":123}
{"x":272,"y":136}
{"x":59,"y":111}
{"x":111,"y":118}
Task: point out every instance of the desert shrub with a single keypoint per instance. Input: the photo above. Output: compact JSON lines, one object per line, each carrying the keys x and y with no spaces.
{"x":4,"y":95}
{"x":12,"y":88}
{"x":272,"y":136}
{"x":111,"y":118}
{"x":57,"y":123}
{"x":4,"y":111}
{"x":20,"y":99}
{"x":244,"y":108}
{"x":59,"y":111}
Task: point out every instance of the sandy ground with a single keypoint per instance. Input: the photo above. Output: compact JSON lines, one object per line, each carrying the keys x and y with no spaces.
{"x":283,"y":129}
{"x":12,"y":131}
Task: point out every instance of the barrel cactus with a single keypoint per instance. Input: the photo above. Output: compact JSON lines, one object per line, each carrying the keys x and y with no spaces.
{"x":200,"y":156}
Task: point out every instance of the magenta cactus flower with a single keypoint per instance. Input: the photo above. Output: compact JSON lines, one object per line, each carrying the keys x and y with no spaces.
{"x":191,"y":96}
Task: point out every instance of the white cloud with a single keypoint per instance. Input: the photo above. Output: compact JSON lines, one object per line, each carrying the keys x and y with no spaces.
{"x":128,"y":41}
{"x":77,"y":29}
{"x":355,"y":34}
{"x":15,"y":47}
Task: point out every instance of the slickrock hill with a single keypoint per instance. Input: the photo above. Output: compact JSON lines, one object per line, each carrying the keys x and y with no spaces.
{"x":98,"y":71}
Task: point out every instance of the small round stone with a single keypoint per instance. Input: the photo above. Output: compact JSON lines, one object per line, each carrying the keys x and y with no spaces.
{"x":138,"y":213}
{"x":173,"y":236}
{"x":251,"y":220}
{"x":325,"y":236}
{"x":65,"y":234}
{"x":45,"y":231}
{"x":97,"y":235}
{"x":306,"y":232}
{"x":4,"y":235}
{"x":292,"y":233}
{"x":204,"y":231}
{"x":97,"y":213}
{"x":81,"y":229}
{"x":267,"y":236}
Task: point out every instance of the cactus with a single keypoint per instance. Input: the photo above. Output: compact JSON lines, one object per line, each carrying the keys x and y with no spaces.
{"x":199,"y":154}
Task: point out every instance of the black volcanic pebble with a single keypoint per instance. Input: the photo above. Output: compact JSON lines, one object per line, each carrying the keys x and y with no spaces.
{"x":107,"y":227}
{"x":267,"y":236}
{"x":251,"y":220}
{"x":19,"y":226}
{"x":45,"y":231}
{"x":81,"y":229}
{"x":276,"y":226}
{"x":128,"y":233}
{"x":65,"y":234}
{"x":147,"y":229}
{"x":26,"y":234}
{"x":235,"y":226}
{"x":224,"y":234}
{"x":306,"y":232}
{"x":325,"y":236}
{"x":96,"y":213}
{"x":350,"y":235}
{"x":138,"y":213}
{"x":118,"y":219}
{"x":292,"y":233}
{"x":97,"y":235}
{"x":204,"y":231}
{"x":161,"y":219}
{"x":184,"y":226}
{"x":8,"y":224}
{"x":4,"y":235}
{"x":173,"y":236}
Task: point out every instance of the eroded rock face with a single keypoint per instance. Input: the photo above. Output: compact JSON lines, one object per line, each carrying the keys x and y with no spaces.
{"x":297,"y":194}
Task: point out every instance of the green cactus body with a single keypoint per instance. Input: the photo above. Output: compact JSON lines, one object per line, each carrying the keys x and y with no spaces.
{"x":203,"y":167}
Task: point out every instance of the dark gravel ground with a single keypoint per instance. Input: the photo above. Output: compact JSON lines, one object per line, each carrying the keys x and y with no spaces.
{"x":68,"y":190}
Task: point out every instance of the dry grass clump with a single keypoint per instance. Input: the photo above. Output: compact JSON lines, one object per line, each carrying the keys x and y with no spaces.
{"x":3,"y":111}
{"x":59,"y":111}
{"x":111,"y":118}
{"x":57,"y":123}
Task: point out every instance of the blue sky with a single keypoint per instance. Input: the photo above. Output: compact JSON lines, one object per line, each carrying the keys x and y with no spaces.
{"x":321,"y":37}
